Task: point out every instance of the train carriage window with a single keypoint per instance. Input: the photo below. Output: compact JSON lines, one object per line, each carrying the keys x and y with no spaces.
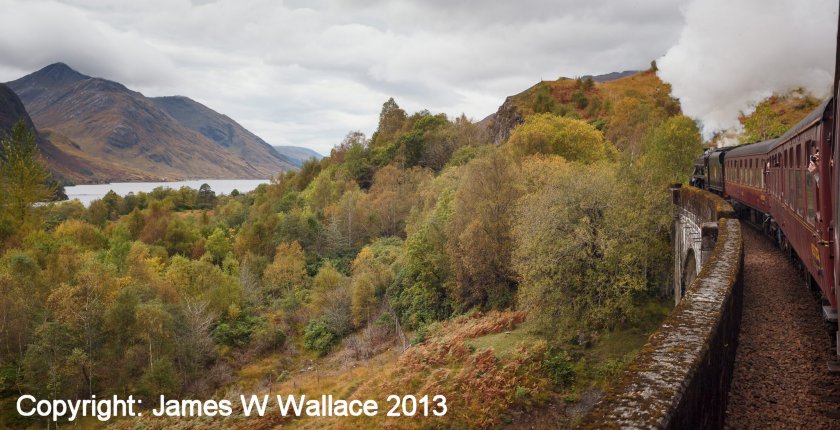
{"x":800,"y":191}
{"x":761,"y":166}
{"x":789,"y":184}
{"x":810,"y":186}
{"x":747,"y":167}
{"x":751,"y":177}
{"x":800,"y":182}
{"x":748,"y":172}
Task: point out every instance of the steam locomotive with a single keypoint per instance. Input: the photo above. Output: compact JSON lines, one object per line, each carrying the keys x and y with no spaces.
{"x":788,"y":186}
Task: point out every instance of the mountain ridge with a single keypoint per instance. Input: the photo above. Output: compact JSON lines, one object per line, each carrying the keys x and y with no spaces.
{"x":219,"y":128}
{"x":110,"y":124}
{"x":61,"y":155}
{"x":298,"y":154}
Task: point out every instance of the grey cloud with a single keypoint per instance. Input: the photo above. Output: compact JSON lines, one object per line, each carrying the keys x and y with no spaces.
{"x":307,"y":72}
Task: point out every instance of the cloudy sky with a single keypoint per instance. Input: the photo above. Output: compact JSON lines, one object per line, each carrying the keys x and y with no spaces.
{"x":305,"y":72}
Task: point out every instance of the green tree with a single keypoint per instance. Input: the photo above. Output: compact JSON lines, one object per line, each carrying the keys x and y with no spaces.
{"x":543,"y":102}
{"x":318,"y":338}
{"x":206,"y":197}
{"x":421,"y":292}
{"x":218,"y":245}
{"x":763,"y":124}
{"x":23,"y":180}
{"x":391,"y":121}
{"x":670,"y":152}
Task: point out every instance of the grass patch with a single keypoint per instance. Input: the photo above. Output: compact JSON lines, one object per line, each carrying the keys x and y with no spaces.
{"x":506,"y":342}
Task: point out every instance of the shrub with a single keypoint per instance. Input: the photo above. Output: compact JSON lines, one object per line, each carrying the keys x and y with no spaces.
{"x":559,"y":369}
{"x":318,"y":337}
{"x":238,"y":331}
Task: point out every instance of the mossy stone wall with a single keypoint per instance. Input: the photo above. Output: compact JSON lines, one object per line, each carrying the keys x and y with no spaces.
{"x":681,"y":377}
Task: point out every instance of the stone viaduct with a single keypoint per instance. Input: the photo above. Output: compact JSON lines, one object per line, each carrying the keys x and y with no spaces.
{"x":681,"y":376}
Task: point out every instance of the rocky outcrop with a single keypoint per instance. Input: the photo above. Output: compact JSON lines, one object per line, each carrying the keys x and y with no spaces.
{"x":503,"y":121}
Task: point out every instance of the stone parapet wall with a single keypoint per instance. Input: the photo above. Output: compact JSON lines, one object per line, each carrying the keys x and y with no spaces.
{"x":681,"y":376}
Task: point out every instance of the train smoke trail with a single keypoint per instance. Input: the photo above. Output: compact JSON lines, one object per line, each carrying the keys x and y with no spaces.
{"x":733,"y":54}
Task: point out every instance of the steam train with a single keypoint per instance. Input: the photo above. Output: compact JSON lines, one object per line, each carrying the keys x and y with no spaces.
{"x":788,"y":186}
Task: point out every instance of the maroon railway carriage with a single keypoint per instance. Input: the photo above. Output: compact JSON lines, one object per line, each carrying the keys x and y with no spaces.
{"x":769,"y":182}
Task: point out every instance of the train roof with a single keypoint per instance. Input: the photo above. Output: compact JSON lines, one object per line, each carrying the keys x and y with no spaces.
{"x":753,"y":148}
{"x":767,"y":145}
{"x":805,"y":122}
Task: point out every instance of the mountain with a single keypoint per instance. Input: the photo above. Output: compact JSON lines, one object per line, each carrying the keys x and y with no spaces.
{"x":11,"y":110}
{"x":224,"y":131}
{"x":611,"y":76}
{"x":111,"y":126}
{"x":63,"y":157}
{"x":297,"y":154}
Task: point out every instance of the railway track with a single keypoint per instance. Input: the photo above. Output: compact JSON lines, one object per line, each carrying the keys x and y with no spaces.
{"x":780,"y":379}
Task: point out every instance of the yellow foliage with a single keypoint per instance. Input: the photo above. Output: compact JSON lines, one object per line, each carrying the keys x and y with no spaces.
{"x":572,"y":139}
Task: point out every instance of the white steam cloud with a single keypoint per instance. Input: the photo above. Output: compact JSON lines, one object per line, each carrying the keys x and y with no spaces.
{"x":732,"y":54}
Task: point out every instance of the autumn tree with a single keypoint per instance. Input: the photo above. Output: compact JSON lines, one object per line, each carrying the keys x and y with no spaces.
{"x":331,"y":300}
{"x":763,"y":124}
{"x":577,"y":264}
{"x":287,"y":273}
{"x":480,"y":233}
{"x":630,"y":121}
{"x":570,"y":138}
{"x":670,"y":152}
{"x":394,"y":193}
{"x":372,"y":275}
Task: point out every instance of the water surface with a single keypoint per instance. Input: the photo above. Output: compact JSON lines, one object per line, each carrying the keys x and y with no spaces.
{"x":88,"y":193}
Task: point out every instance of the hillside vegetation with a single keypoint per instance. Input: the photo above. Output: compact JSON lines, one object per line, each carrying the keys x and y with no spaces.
{"x":516,"y":279}
{"x":775,"y":115}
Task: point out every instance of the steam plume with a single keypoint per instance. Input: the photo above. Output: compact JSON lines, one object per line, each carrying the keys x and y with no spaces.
{"x":733,"y":54}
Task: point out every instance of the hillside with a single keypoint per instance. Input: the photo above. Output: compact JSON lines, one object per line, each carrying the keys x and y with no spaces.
{"x":422,"y":262}
{"x":223,"y":130}
{"x":596,"y":102}
{"x":297,"y":154}
{"x":774,"y":115}
{"x":64,"y":158}
{"x":111,"y":125}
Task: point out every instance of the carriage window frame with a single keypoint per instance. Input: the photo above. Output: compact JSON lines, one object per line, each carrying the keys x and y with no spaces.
{"x":812,"y":199}
{"x":800,"y":182}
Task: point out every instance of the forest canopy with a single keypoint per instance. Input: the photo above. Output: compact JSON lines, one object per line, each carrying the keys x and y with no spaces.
{"x":171,"y":291}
